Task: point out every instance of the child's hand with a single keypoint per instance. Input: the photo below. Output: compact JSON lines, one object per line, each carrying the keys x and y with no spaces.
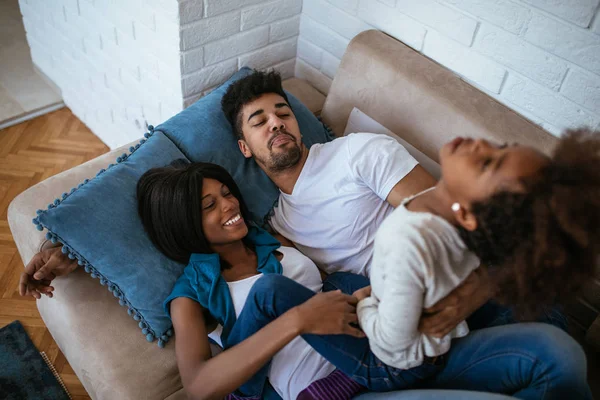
{"x":362,"y":293}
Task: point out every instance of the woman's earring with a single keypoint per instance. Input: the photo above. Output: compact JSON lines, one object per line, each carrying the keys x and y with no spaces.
{"x":456,"y":207}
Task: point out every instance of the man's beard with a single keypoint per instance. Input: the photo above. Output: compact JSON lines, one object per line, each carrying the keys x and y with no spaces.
{"x":281,"y":161}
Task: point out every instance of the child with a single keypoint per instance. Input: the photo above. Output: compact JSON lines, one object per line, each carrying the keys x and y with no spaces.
{"x":534,"y":220}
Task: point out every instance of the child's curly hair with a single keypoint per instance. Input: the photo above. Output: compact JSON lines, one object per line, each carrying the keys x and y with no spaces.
{"x":543,"y":244}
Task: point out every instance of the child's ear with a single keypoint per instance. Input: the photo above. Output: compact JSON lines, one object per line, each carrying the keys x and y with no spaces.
{"x":244,"y":149}
{"x":465,"y":218}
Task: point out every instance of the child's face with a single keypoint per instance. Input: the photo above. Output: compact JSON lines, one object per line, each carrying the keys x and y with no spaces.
{"x":473,"y":170}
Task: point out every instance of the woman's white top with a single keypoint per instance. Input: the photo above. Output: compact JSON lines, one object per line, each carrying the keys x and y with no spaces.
{"x":297,"y":365}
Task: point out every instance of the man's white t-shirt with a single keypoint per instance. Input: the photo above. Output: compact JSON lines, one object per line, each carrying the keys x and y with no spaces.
{"x":338,"y":202}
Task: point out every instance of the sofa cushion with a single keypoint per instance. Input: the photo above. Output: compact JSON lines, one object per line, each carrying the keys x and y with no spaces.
{"x":98,"y":224}
{"x":203,"y":134}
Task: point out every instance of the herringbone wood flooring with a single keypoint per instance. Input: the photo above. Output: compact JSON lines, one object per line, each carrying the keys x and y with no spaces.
{"x":29,"y":153}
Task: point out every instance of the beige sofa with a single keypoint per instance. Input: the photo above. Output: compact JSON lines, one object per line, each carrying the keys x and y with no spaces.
{"x":411,"y":95}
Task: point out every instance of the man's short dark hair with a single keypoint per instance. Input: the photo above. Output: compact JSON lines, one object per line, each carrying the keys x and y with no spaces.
{"x":246,"y":90}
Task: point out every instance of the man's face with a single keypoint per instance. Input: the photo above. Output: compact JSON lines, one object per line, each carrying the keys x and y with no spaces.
{"x":271,"y":133}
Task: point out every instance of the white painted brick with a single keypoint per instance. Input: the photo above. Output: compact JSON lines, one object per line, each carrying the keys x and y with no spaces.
{"x":269,"y":12}
{"x":188,"y":101}
{"x":350,"y":6}
{"x":159,"y":45}
{"x":208,"y":76}
{"x":575,"y":44}
{"x":310,"y":53}
{"x":286,"y":68}
{"x":579,"y":12}
{"x":168,"y":109}
{"x":147,"y":14}
{"x":216,"y":7}
{"x":316,"y":78}
{"x":507,"y":15}
{"x":209,"y":29}
{"x":391,"y":22}
{"x":169,"y":70}
{"x":464,"y":61}
{"x":328,"y":40}
{"x":166,"y":28}
{"x":235,"y":45}
{"x":284,"y":29}
{"x":106,"y":14}
{"x":270,"y":55}
{"x":446,"y":20}
{"x":192,"y":60}
{"x":515,"y":53}
{"x":190,"y":11}
{"x":167,"y":9}
{"x":546,"y":104}
{"x":596,"y":23}
{"x":330,"y":65}
{"x":334,"y":18}
{"x":583,"y":89}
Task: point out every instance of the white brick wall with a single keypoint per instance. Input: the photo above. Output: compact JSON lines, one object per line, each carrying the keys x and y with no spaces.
{"x":229,"y":34}
{"x":116,"y":71}
{"x":123,"y":64}
{"x":539,"y":57}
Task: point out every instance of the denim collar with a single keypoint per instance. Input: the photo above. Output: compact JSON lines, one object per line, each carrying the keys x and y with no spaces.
{"x":212,"y":290}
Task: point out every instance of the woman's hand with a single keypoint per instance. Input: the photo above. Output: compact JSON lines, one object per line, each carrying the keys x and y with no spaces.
{"x":362,"y":293}
{"x":329,"y":313}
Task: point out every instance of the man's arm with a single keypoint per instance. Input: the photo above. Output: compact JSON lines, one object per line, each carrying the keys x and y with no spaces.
{"x":42,"y":269}
{"x":414,"y":182}
{"x":447,"y":313}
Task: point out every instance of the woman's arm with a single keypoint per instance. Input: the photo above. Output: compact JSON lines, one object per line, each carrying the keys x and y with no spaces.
{"x":213,"y":378}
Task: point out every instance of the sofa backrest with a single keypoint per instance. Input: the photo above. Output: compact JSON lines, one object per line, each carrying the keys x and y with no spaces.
{"x":418,"y":99}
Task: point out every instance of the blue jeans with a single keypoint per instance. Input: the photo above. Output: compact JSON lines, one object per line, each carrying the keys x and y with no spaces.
{"x":528,"y":361}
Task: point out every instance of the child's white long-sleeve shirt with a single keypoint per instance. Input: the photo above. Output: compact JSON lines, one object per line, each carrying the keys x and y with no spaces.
{"x":419,"y":258}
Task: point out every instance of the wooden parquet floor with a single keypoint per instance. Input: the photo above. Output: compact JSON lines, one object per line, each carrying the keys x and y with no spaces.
{"x":29,"y":153}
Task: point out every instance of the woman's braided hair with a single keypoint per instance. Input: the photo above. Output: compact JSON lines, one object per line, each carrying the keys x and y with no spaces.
{"x":543,"y":244}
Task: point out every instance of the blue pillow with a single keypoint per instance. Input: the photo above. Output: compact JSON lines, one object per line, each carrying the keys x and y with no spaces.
{"x":203,"y":134}
{"x":98,"y":224}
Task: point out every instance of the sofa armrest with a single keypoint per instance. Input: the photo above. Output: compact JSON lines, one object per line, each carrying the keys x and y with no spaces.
{"x":22,"y":209}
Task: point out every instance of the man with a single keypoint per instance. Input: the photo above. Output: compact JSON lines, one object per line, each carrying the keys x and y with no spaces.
{"x":334,"y":197}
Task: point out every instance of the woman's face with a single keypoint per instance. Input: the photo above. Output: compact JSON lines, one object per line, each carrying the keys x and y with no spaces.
{"x":474,"y":170}
{"x":222,"y":221}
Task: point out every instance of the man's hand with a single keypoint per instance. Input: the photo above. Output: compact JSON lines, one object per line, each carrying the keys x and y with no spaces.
{"x":362,"y":293}
{"x":42,"y":269}
{"x":447,"y":313}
